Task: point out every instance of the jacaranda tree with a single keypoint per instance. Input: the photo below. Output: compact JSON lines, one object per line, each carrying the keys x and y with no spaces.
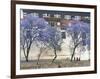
{"x":49,"y":37}
{"x":31,"y":30}
{"x":26,"y":35}
{"x":54,"y":40}
{"x":36,"y":29}
{"x":80,"y":35}
{"x":42,"y":37}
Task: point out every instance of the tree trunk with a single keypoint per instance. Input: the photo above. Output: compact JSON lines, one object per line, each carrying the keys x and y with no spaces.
{"x":55,"y":56}
{"x":24,"y":53}
{"x":74,"y":51}
{"x":27,"y":54}
{"x":28,"y":50}
{"x":26,"y":58}
{"x":73,"y":54}
{"x":39,"y":56}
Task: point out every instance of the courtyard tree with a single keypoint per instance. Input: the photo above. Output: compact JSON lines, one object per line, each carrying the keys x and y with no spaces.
{"x":50,"y":37}
{"x":42,"y":37}
{"x":31,"y":28}
{"x":54,"y":40}
{"x":79,"y":32}
{"x":26,"y":36}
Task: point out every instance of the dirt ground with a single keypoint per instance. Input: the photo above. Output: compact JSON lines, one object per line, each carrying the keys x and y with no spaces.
{"x":56,"y":64}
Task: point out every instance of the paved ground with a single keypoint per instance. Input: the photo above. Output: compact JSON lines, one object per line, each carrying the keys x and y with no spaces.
{"x":57,"y":64}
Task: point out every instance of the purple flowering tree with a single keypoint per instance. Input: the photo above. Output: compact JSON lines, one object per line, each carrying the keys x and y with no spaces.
{"x":31,"y":30}
{"x":80,"y":35}
{"x":49,"y":37}
{"x":35,"y":29}
{"x":26,"y":36}
{"x":54,"y":40}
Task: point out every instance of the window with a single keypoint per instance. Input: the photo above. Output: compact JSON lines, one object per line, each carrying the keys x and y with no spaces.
{"x":68,"y":17}
{"x":46,"y":15}
{"x":87,"y":17}
{"x":57,"y":15}
{"x":77,"y":18}
{"x":35,"y":14}
{"x":24,"y":14}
